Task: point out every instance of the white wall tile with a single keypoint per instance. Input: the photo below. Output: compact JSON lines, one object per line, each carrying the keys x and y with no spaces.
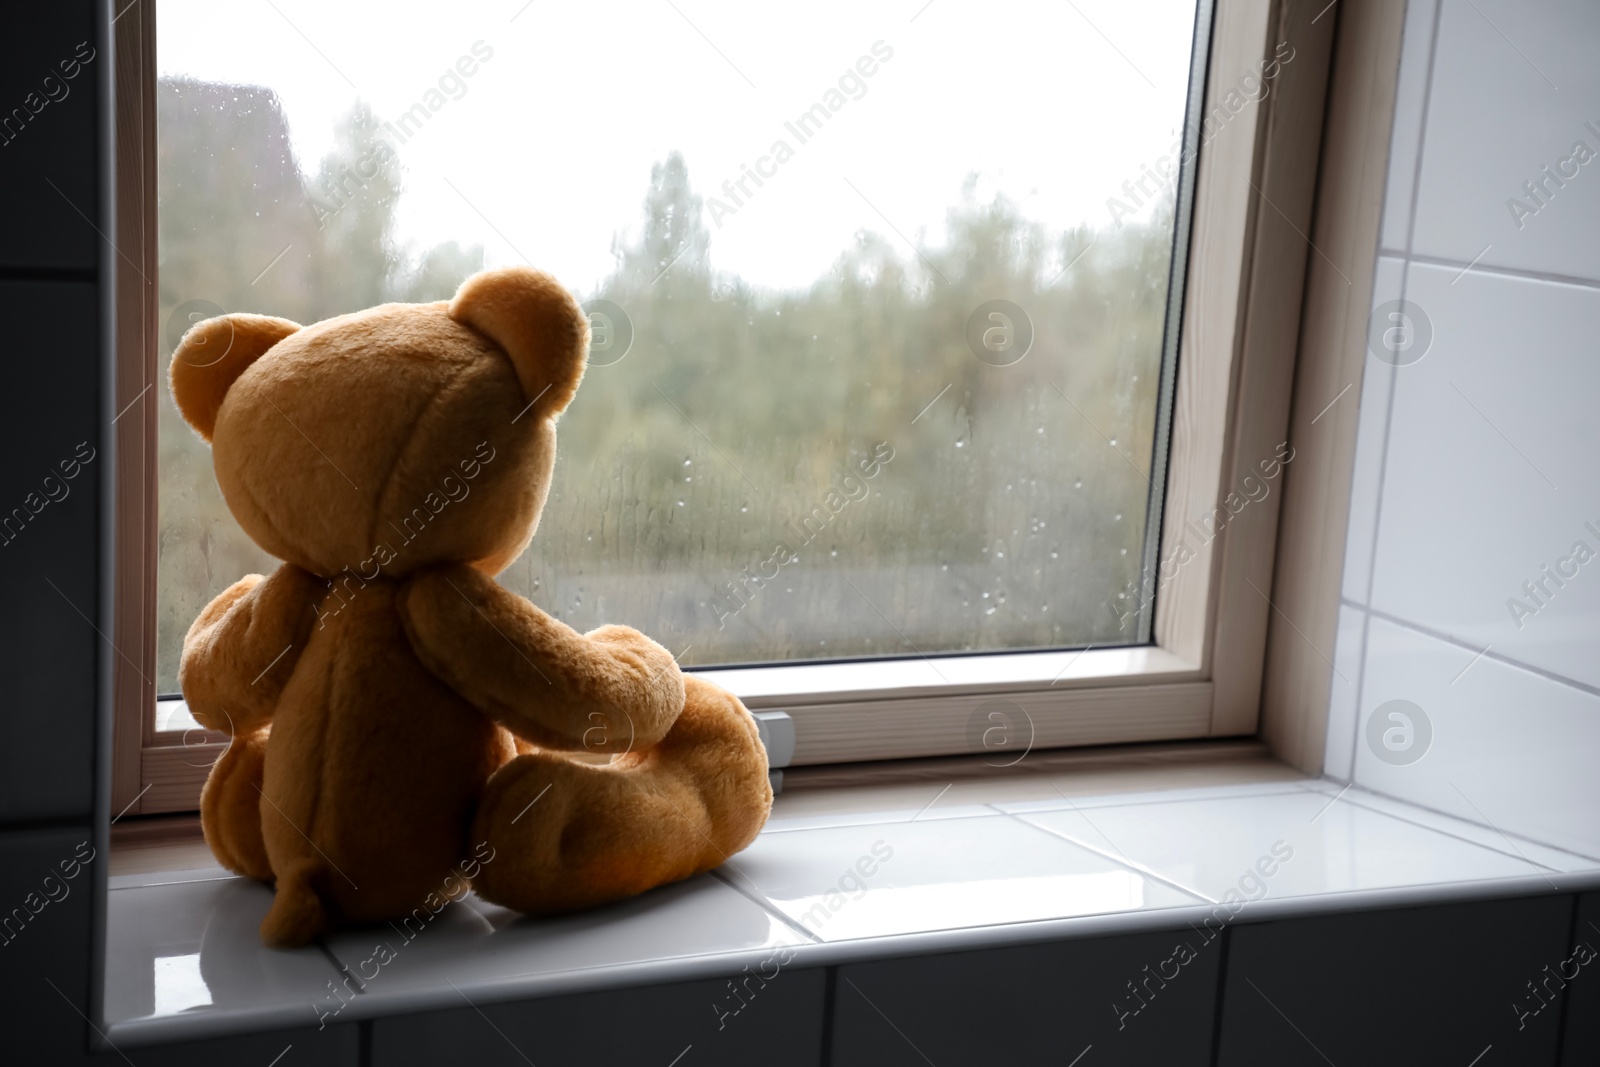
{"x":1494,"y":118}
{"x":1509,"y":748}
{"x":1489,"y":472}
{"x":1415,"y":49}
{"x":1344,"y":689}
{"x":1377,"y":379}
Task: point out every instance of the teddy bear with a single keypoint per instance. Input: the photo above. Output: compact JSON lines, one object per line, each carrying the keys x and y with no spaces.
{"x":401,"y":726}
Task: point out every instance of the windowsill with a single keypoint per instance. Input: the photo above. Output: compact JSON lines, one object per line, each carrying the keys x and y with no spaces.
{"x":1029,"y":855}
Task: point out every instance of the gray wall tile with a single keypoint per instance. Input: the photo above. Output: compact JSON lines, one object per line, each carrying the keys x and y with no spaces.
{"x":46,"y":901}
{"x":1033,"y":1004}
{"x":1580,"y":1043}
{"x":1424,"y":985}
{"x":780,"y":1026}
{"x":55,"y":145}
{"x":337,"y":1046}
{"x":49,"y":579}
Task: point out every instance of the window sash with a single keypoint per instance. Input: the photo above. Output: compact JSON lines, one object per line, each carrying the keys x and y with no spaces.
{"x":1201,"y":674}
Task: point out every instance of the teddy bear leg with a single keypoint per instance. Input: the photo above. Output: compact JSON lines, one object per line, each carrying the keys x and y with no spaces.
{"x":567,"y":835}
{"x":230,"y":808}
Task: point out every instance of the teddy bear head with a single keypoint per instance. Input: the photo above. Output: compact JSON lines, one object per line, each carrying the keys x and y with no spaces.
{"x":392,"y":438}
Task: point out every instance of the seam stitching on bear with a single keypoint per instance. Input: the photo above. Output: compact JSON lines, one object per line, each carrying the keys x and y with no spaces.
{"x":382,"y":498}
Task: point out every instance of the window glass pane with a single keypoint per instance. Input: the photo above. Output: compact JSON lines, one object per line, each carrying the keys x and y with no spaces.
{"x":878,"y":291}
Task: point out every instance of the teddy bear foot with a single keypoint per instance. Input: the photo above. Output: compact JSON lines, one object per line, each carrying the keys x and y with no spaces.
{"x":298,"y":915}
{"x":569,"y":835}
{"x":230,"y":808}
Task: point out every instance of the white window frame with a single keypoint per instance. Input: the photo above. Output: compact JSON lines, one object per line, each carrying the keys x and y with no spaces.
{"x":1251,"y":611}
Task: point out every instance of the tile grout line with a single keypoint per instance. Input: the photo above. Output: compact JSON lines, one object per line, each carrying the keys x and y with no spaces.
{"x":1361,"y":679}
{"x":339,"y":966}
{"x":1357,"y":802}
{"x":1155,"y":797}
{"x":1289,"y":787}
{"x":868,"y":819}
{"x":1447,"y":833}
{"x":1124,"y":861}
{"x":224,"y":877}
{"x":767,"y":906}
{"x":1563,"y":1020}
{"x":1120,"y":862}
{"x":1377,"y":516}
{"x":1437,"y":16}
{"x":1422,"y":126}
{"x":1422,"y":259}
{"x":1497,"y":657}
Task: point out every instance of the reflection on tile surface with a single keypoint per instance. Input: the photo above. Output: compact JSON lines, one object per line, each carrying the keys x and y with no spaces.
{"x":843,"y":883}
{"x":1288,"y":845}
{"x":1509,"y":843}
{"x":179,"y":984}
{"x":194,"y":948}
{"x":473,"y":942}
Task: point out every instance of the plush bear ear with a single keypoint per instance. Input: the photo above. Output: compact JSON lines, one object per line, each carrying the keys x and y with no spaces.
{"x":536,"y":322}
{"x":211,"y":357}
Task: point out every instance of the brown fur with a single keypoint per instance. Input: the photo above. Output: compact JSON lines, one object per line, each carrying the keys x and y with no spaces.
{"x":380,"y":685}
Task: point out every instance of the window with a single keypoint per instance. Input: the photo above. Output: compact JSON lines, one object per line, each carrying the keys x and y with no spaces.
{"x":886,"y":311}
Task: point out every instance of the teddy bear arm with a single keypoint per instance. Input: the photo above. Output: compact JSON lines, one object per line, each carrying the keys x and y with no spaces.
{"x":241,"y":650}
{"x":608,"y":691}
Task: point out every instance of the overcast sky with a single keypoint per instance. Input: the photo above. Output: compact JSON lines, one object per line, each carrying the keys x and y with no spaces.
{"x":552,"y":143}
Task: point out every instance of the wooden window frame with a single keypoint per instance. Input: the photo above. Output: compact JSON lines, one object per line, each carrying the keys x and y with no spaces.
{"x":1242,"y":631}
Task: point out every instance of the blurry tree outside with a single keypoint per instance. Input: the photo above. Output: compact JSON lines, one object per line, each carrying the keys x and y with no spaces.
{"x":708,"y":488}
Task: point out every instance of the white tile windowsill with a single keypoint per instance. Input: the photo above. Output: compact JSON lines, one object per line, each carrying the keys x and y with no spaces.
{"x":838,"y":875}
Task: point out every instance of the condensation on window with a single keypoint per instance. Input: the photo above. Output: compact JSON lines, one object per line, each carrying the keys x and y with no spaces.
{"x":933,"y":434}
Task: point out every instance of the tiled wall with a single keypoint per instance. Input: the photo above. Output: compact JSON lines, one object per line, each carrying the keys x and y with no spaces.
{"x":1479,"y":433}
{"x":53,"y":263}
{"x":49,"y":654}
{"x":1403,"y":987}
